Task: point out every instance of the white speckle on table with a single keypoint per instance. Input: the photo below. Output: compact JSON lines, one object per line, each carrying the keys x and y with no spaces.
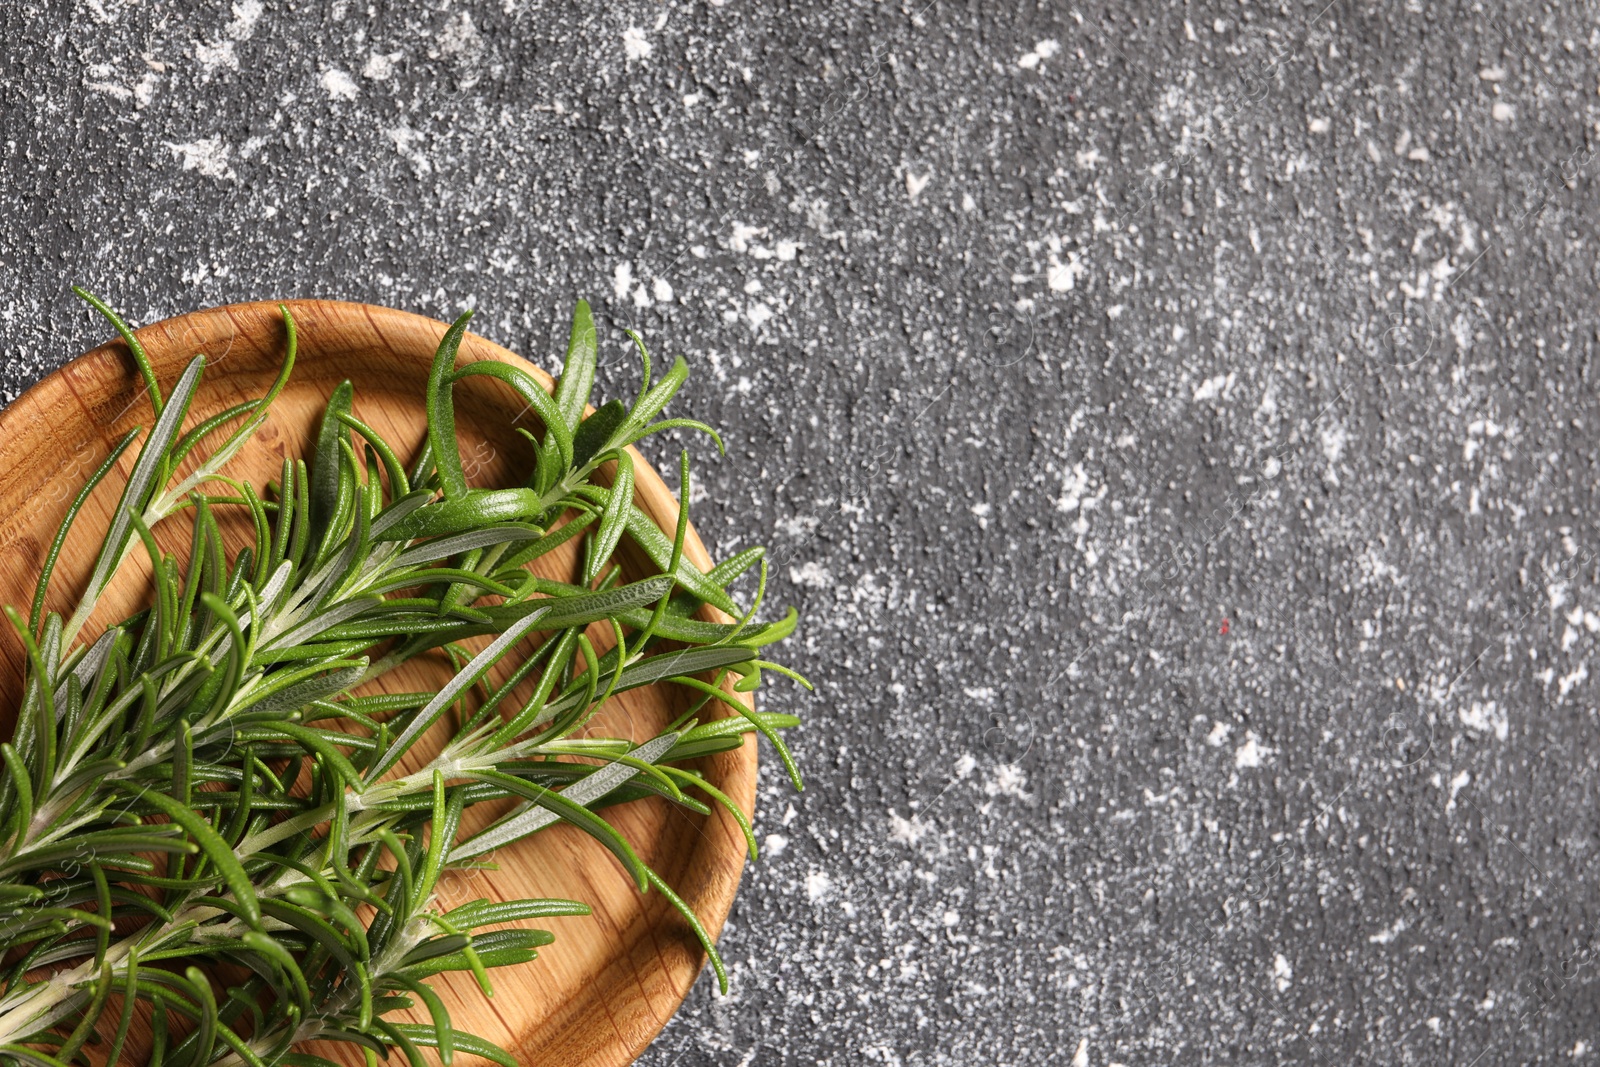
{"x":903,"y":831}
{"x":983,"y":694}
{"x":1383,"y":937}
{"x":811,"y":574}
{"x":1557,"y":594}
{"x":1486,"y":717}
{"x":965,"y":765}
{"x":662,"y":289}
{"x":1318,"y":125}
{"x":246,"y":13}
{"x":1219,"y":733}
{"x":759,"y":314}
{"x":1334,"y":438}
{"x":635,"y":44}
{"x":339,"y":85}
{"x":798,"y":526}
{"x":774,"y":845}
{"x":140,"y":92}
{"x":1080,"y":1058}
{"x":1502,"y":111}
{"x":1063,"y":277}
{"x":1457,"y":784}
{"x":1214,"y":387}
{"x":1008,"y":781}
{"x":1251,"y":753}
{"x":380,"y":66}
{"x":1282,"y":973}
{"x":215,"y":55}
{"x":405,"y":141}
{"x":220,"y":53}
{"x":460,"y":38}
{"x":209,"y":156}
{"x":144,"y":90}
{"x":817,"y":885}
{"x":981,"y":510}
{"x":121,"y":92}
{"x":1492,"y":74}
{"x":1041,"y":52}
{"x":739,"y":240}
{"x":1567,"y":681}
{"x":1075,"y":491}
{"x":622,"y":279}
{"x":915,"y":183}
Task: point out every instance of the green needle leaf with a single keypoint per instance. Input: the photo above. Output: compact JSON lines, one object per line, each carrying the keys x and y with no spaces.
{"x":462,"y":1041}
{"x":447,"y":696}
{"x":327,"y":461}
{"x":66,"y":524}
{"x":442,"y":414}
{"x":597,"y":432}
{"x":467,"y":510}
{"x":575,"y":814}
{"x":577,"y":373}
{"x":614,"y":519}
{"x":139,"y":357}
{"x":532,"y":393}
{"x":214,"y":849}
{"x":141,"y":484}
{"x":595,"y":785}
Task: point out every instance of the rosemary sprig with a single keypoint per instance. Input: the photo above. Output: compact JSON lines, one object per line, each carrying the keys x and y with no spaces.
{"x":204,"y":784}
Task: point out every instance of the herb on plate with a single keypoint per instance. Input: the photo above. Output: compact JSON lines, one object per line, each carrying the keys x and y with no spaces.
{"x":212,"y":786}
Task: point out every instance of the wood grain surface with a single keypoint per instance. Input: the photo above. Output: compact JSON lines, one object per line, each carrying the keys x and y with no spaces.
{"x":610,"y":981}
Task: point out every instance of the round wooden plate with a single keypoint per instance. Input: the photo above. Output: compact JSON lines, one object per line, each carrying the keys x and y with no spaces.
{"x":608,"y":984}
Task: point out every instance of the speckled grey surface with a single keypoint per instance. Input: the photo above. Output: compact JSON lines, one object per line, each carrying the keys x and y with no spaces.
{"x":1176,"y":423}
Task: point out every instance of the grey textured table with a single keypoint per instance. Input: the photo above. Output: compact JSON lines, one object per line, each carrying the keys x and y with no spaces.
{"x":1176,"y":424}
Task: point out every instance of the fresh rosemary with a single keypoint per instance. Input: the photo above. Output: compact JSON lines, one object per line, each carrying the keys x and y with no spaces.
{"x":210,"y":783}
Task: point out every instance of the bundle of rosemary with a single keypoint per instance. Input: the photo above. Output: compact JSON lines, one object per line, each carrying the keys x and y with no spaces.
{"x":211,"y":786}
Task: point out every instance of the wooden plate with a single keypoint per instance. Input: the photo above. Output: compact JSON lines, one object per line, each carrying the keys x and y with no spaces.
{"x":608,"y":984}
